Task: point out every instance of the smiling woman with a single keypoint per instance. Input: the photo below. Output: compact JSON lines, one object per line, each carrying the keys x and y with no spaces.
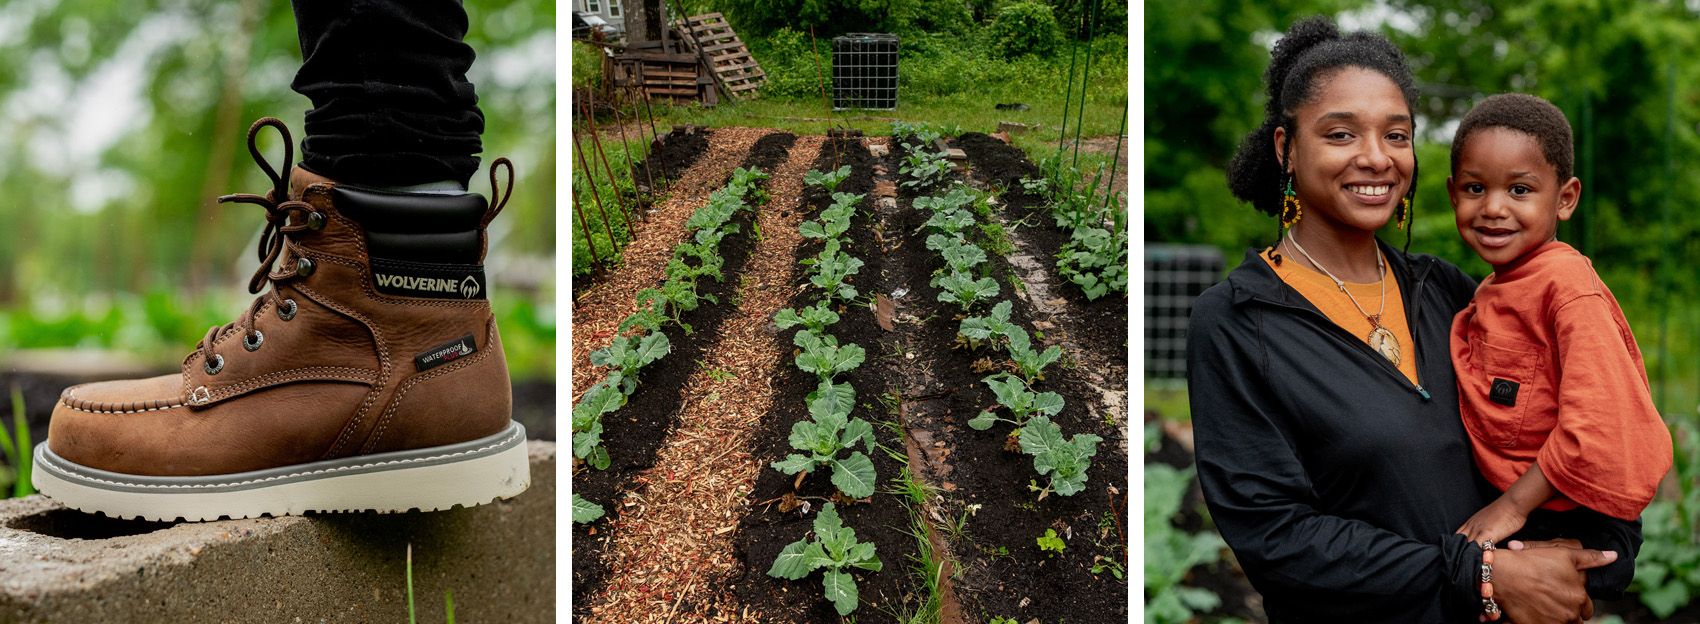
{"x":1325,"y":407}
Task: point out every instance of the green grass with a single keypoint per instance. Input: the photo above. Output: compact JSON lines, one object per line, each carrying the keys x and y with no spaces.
{"x":1169,"y":401}
{"x":17,"y":450}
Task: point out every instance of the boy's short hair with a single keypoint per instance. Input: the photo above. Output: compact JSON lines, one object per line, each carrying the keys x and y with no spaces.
{"x":1528,"y":114}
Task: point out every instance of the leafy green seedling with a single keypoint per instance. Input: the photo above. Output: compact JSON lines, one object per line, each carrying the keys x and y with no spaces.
{"x":828,"y":180}
{"x":584,"y":511}
{"x":602,"y":398}
{"x":1096,"y":261}
{"x":834,"y":549}
{"x":978,"y":329}
{"x":831,"y":431}
{"x":815,"y":318}
{"x":1051,"y":544}
{"x":822,"y":356}
{"x":1064,"y":461}
{"x":1021,"y":401}
{"x":831,"y":268}
{"x":628,"y":354}
{"x":963,"y":290}
{"x":1031,"y":362}
{"x":962,"y":257}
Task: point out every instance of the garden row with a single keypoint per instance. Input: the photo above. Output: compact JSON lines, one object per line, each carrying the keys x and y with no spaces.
{"x":620,"y":423}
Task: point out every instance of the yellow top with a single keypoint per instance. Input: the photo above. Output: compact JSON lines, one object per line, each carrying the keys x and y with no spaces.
{"x":1320,"y":290}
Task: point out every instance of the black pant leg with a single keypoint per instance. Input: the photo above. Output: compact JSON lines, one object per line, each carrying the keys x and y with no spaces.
{"x":391,"y":102}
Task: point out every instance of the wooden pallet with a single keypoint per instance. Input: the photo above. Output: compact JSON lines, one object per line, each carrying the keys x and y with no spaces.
{"x":678,"y":77}
{"x":738,"y":72}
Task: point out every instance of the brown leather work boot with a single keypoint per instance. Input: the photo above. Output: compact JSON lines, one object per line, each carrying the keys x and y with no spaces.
{"x":370,"y":376}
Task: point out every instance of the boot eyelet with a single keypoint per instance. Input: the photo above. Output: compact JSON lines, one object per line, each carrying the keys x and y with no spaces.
{"x":304,"y":266}
{"x":315,"y":221}
{"x":214,"y":365}
{"x":287,"y":310}
{"x":253,"y":341}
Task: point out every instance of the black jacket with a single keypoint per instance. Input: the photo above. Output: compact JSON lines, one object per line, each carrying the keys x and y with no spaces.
{"x":1337,"y":482}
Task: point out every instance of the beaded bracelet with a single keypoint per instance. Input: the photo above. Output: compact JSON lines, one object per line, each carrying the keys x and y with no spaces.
{"x":1490,"y":609}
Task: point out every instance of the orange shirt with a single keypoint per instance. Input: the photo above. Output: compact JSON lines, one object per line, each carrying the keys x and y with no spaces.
{"x":1548,"y":371}
{"x":1322,"y":293}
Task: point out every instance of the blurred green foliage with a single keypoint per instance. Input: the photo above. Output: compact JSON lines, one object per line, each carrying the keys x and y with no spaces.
{"x":1024,"y":28}
{"x":123,"y":122}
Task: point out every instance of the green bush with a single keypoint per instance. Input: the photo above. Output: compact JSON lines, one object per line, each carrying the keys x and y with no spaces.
{"x":1024,"y":28}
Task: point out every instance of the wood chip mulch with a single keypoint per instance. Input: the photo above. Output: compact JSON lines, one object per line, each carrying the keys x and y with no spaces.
{"x":598,"y":311}
{"x":674,"y":535}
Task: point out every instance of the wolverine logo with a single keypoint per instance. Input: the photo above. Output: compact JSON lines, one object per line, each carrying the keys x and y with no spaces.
{"x":469,"y":288}
{"x":428,"y":284}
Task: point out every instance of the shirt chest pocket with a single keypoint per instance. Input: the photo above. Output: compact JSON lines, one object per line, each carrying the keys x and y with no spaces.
{"x":1503,"y":381}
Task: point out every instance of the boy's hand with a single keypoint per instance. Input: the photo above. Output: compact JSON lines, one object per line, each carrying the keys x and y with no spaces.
{"x":1496,"y":522}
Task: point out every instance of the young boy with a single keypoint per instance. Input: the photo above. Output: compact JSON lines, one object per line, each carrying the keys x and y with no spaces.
{"x":1552,"y":388}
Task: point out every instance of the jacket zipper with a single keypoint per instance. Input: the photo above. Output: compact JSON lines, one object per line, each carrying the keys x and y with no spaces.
{"x":1412,"y":306}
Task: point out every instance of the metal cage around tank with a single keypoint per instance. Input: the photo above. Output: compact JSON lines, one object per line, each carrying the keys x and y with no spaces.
{"x":864,"y":71}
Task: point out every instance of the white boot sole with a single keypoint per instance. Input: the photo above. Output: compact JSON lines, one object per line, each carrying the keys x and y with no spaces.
{"x":431,"y":479}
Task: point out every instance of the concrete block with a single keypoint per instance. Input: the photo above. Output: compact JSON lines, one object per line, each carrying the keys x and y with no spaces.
{"x":498,"y":560}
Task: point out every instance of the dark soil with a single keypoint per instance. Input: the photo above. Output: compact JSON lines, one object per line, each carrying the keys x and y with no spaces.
{"x":670,"y":155}
{"x":636,"y":431}
{"x":765,"y":530}
{"x":1004,"y":573}
{"x":1103,"y":322}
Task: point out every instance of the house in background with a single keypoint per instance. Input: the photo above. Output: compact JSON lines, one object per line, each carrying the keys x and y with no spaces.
{"x":610,"y":11}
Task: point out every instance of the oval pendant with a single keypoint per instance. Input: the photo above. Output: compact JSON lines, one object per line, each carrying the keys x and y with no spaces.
{"x":1384,"y":343}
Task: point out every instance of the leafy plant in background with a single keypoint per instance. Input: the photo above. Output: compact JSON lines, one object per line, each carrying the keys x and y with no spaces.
{"x":1667,"y":570}
{"x":834,"y":550}
{"x":584,"y":511}
{"x":834,"y":221}
{"x":978,"y":329}
{"x":830,"y":431}
{"x":1169,"y":552}
{"x":828,"y":180}
{"x":924,"y":169}
{"x":17,"y":449}
{"x":1024,"y":28}
{"x":1096,"y":261}
{"x":1064,"y":462}
{"x":744,"y":182}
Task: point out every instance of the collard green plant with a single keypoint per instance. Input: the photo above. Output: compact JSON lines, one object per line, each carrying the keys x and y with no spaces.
{"x":958,"y":197}
{"x":821,"y":355}
{"x":815,"y":318}
{"x":821,"y":439}
{"x":602,"y":398}
{"x":834,"y":550}
{"x":828,"y":180}
{"x":744,"y":181}
{"x":1031,"y":362}
{"x":1096,"y":261}
{"x":648,"y":318}
{"x":950,"y":224}
{"x":1667,"y":570}
{"x":834,"y":221}
{"x":1170,"y":553}
{"x":992,"y":327}
{"x":832,"y":268}
{"x":584,"y":511}
{"x":627,"y":354}
{"x":925,"y":169}
{"x":1064,"y":462}
{"x":1021,"y":401}
{"x":963,"y":290}
{"x":962,"y":257}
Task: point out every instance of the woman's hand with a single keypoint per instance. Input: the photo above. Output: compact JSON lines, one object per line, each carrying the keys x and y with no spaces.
{"x":1537,"y":585}
{"x":1494,"y":522}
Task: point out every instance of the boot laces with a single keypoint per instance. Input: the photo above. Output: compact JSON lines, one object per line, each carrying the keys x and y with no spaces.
{"x":279,"y":225}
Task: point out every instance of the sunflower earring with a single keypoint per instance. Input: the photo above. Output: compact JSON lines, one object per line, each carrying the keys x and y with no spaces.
{"x":1291,"y":210}
{"x":1404,"y":211}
